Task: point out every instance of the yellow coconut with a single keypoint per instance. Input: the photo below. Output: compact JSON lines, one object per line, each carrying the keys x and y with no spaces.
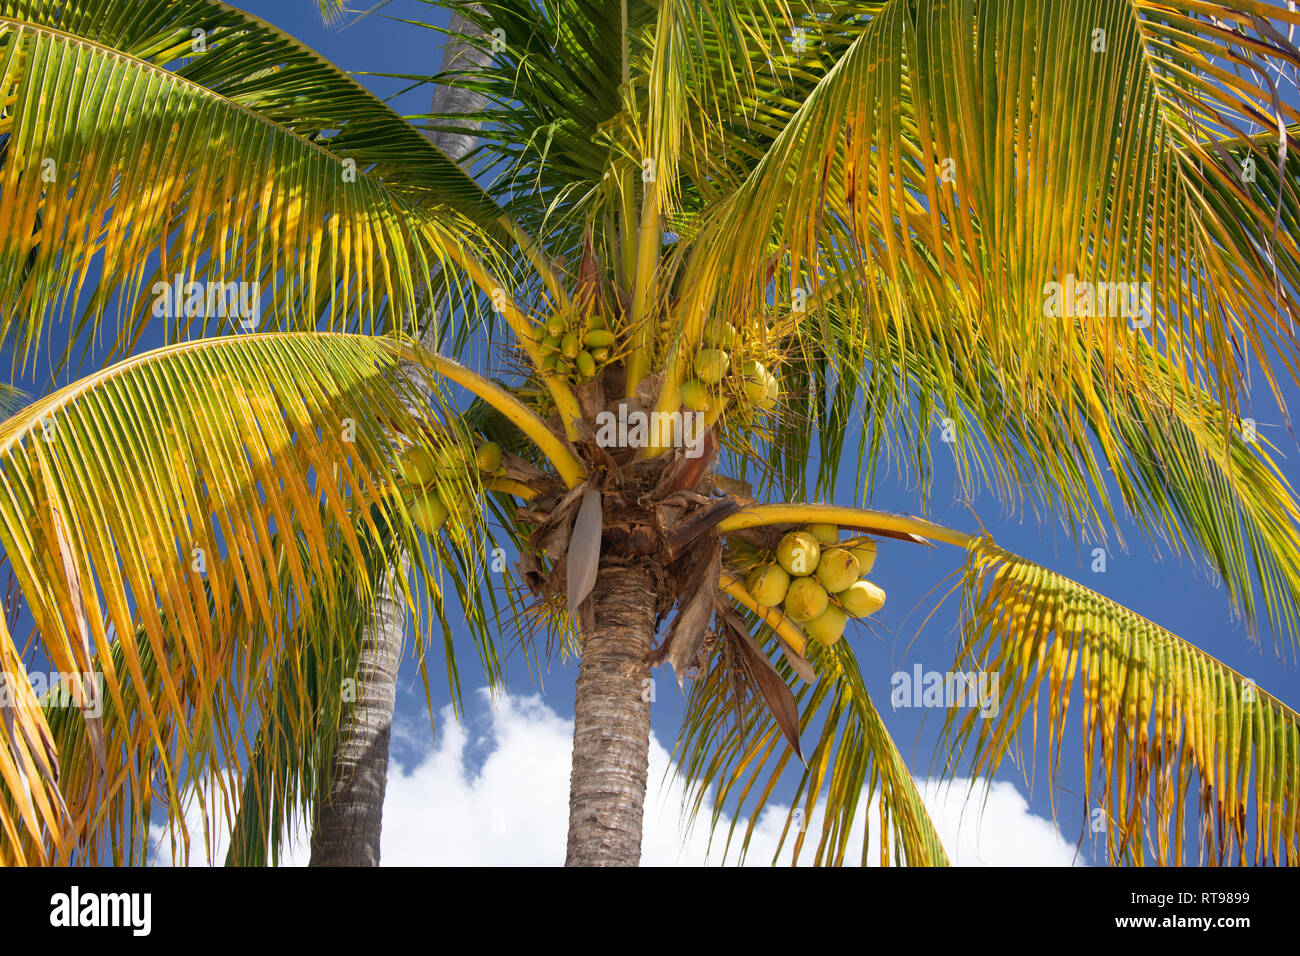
{"x":719,"y":332}
{"x":768,"y":584}
{"x":862,"y":598}
{"x":711,"y":365}
{"x":695,"y":396}
{"x":428,"y":513}
{"x":798,"y":553}
{"x":599,"y":339}
{"x":866,"y":555}
{"x":418,"y":466}
{"x":805,"y":599}
{"x":488,"y":457}
{"x":586,"y":364}
{"x":837,"y":569}
{"x":824,"y":533}
{"x":771,"y":396}
{"x":756,"y":377}
{"x":828,"y":627}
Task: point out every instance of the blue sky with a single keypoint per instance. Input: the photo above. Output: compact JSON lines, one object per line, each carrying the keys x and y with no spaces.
{"x":1171,"y":592}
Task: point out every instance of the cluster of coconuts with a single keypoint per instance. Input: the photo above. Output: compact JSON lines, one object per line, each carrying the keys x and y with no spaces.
{"x":712,"y":365}
{"x":575,"y":349}
{"x":817,"y":583}
{"x":424,"y":469}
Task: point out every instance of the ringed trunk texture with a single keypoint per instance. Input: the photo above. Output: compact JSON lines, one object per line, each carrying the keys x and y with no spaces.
{"x":611,"y":722}
{"x":348,"y":820}
{"x":349,"y":816}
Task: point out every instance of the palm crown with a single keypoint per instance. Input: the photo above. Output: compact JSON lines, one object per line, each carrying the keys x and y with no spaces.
{"x":1063,"y":234}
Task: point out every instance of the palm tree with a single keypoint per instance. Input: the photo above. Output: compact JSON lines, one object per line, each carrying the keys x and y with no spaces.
{"x":1068,"y":239}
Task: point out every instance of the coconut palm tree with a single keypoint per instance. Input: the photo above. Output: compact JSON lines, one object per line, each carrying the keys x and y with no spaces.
{"x":1064,"y":238}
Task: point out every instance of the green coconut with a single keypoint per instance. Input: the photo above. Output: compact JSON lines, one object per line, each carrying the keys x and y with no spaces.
{"x":768,"y":584}
{"x":862,"y":598}
{"x":586,"y":364}
{"x":798,"y":553}
{"x":828,"y":627}
{"x":805,"y":599}
{"x":599,"y":339}
{"x":837,"y":569}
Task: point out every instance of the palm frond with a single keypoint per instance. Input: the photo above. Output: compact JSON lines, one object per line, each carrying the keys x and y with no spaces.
{"x":248,"y":442}
{"x":1158,"y":714}
{"x":950,"y":215}
{"x":855,"y":762}
{"x":214,"y":190}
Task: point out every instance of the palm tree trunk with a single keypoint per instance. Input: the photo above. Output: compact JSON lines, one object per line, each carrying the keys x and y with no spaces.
{"x":611,"y":722}
{"x":348,"y":819}
{"x":349,"y":816}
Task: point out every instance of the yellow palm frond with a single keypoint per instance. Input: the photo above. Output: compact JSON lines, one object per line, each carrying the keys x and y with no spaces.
{"x":159,"y":497}
{"x":177,"y":180}
{"x":1158,"y":715}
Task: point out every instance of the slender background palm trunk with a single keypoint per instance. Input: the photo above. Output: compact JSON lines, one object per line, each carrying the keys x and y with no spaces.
{"x":349,"y":816}
{"x":611,"y":722}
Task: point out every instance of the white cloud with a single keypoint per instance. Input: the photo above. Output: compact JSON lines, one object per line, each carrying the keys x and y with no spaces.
{"x":500,"y":797}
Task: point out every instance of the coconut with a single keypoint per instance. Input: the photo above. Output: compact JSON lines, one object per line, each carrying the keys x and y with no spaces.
{"x":418,"y":466}
{"x":862,"y":598}
{"x":695,"y":396}
{"x":768,"y":584}
{"x":772,"y":395}
{"x":756,"y":377}
{"x":828,"y":627}
{"x":586,"y":364}
{"x":570,"y":346}
{"x":798,"y":553}
{"x":866,"y":555}
{"x":805,"y":599}
{"x":837,"y":569}
{"x":428,"y":513}
{"x":488,"y":457}
{"x":824,"y":533}
{"x":718,"y":332}
{"x":711,"y":365}
{"x":599,"y":339}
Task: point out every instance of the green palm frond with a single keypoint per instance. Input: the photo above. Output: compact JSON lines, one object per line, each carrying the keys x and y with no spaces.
{"x":1158,"y":716}
{"x":553,"y":97}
